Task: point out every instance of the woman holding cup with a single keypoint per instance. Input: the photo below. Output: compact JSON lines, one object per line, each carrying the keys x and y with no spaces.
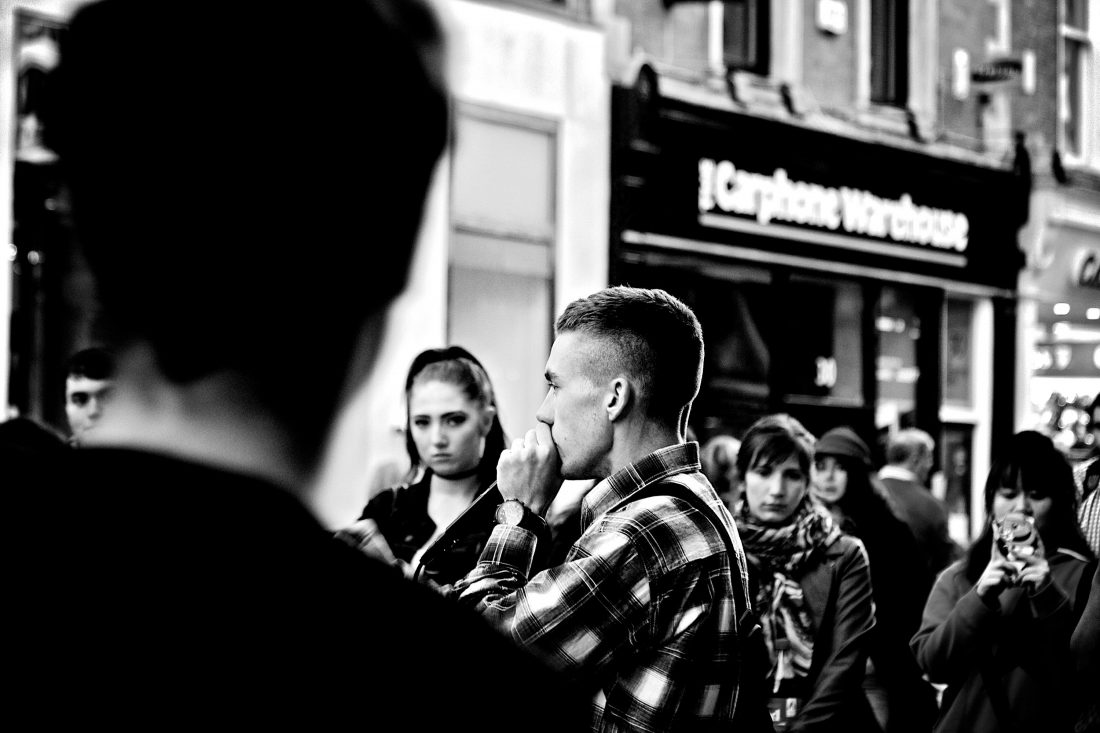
{"x":997,"y":623}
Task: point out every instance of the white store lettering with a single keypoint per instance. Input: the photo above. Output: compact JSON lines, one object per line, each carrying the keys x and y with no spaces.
{"x":778,"y":198}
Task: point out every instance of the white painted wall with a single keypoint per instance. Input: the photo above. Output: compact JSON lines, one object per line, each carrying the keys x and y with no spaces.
{"x":518,"y":60}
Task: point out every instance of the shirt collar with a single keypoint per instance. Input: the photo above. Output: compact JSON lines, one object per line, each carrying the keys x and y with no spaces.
{"x":662,"y":463}
{"x":897,"y":472}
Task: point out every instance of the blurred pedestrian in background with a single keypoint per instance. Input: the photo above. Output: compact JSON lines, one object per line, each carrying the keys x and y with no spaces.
{"x":844,"y":481}
{"x":997,"y":625}
{"x":719,"y":458}
{"x":88,"y":380}
{"x":909,"y":459}
{"x":454,"y":438}
{"x":1086,"y":474}
{"x":812,"y":584}
{"x":246,"y":275}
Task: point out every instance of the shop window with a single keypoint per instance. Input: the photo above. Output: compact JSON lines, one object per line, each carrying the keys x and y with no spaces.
{"x":500,"y":303}
{"x":896,"y":370}
{"x":823,"y":341}
{"x":890,"y":52}
{"x":1075,"y":78}
{"x":958,"y":354}
{"x":745,"y":35}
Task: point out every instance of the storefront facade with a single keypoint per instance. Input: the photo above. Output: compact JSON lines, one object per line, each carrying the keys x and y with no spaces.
{"x":838,"y":280}
{"x":1059,"y":315}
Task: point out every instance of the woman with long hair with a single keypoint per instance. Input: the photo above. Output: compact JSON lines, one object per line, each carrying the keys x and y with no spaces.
{"x":811,"y":584}
{"x":997,"y":625}
{"x":844,"y":481}
{"x":454,"y":438}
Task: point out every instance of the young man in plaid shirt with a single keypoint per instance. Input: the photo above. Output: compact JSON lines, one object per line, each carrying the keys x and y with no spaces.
{"x":642,"y":610}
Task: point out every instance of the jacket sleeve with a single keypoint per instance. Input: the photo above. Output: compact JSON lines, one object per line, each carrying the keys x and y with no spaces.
{"x":852,"y":621}
{"x":954,"y":628}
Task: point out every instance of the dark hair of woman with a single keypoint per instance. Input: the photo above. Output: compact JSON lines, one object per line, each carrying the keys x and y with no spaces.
{"x":455,"y":365}
{"x":1031,"y":462}
{"x":773,"y":439}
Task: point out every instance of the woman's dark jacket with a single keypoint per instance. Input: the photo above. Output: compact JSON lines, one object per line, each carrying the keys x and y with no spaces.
{"x":1021,"y":644}
{"x":837,"y":590}
{"x":401,"y":513}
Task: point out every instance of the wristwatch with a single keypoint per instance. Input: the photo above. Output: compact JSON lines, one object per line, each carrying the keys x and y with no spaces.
{"x":511,"y":511}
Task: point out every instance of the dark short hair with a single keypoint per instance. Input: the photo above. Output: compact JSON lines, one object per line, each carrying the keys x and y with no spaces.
{"x":654,"y":337}
{"x":93,"y":363}
{"x":773,"y":439}
{"x":455,"y":365}
{"x":248,"y":190}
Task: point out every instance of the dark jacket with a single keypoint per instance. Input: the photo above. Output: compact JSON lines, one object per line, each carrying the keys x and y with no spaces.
{"x":401,"y":513}
{"x":837,"y":591}
{"x":165,"y":592}
{"x":1023,"y":645}
{"x":900,"y":586}
{"x":927,"y":519}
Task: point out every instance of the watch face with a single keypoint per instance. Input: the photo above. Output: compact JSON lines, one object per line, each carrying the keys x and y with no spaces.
{"x":510,"y":512}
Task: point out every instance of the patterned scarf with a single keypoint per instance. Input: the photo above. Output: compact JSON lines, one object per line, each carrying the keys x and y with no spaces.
{"x":782,"y":555}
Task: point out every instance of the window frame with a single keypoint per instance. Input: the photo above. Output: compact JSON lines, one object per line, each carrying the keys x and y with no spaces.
{"x":1080,"y":151}
{"x":890,"y":86}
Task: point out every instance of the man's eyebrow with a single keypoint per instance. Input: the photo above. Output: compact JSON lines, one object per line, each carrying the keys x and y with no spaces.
{"x":550,"y":376}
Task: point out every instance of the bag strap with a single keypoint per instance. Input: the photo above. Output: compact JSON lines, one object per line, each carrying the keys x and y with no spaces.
{"x":672,"y":486}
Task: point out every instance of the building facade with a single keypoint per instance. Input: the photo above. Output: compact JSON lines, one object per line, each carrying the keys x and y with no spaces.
{"x":819,"y":180}
{"x":1059,"y":305}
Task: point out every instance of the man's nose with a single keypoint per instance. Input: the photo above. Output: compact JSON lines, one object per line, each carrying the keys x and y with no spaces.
{"x":94,"y":408}
{"x":544,"y":414}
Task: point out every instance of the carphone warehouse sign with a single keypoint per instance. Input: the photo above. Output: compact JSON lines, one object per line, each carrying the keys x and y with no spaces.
{"x":734,"y":198}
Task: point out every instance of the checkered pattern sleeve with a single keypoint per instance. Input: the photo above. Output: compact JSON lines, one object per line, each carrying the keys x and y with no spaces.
{"x":1089,"y":517}
{"x":575,"y":614}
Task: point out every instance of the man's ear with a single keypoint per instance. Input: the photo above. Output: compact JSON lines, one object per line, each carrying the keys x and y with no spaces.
{"x":486,"y":423}
{"x":620,"y":398}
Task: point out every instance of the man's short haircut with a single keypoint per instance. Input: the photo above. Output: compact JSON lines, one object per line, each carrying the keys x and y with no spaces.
{"x":652,"y":337}
{"x":907,"y":444}
{"x":93,"y":363}
{"x":248,"y":188}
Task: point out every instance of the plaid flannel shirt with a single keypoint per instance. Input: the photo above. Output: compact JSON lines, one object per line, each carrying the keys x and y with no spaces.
{"x":642,"y":609}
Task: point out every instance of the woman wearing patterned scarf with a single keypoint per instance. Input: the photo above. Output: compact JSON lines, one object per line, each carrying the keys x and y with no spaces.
{"x":811,"y":582}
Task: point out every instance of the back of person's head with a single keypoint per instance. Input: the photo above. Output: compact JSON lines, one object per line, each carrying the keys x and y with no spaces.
{"x":92,"y":363}
{"x":652,"y":337}
{"x":457,"y":366}
{"x":241,"y":181}
{"x":773,"y":439}
{"x":718,"y":457}
{"x":907,"y":446}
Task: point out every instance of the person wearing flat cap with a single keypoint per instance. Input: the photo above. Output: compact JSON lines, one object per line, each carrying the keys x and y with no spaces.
{"x":843,"y":479}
